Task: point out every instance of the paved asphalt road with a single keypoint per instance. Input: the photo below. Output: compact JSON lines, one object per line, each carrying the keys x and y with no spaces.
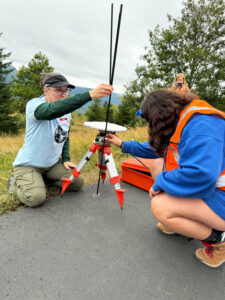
{"x":81,"y":247}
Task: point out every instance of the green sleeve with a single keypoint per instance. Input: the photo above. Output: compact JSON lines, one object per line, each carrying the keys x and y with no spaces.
{"x":66,"y":150}
{"x":50,"y":111}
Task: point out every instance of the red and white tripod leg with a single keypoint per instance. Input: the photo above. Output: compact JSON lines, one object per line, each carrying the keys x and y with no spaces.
{"x":101,"y":165}
{"x":76,"y":171}
{"x":114,"y":177}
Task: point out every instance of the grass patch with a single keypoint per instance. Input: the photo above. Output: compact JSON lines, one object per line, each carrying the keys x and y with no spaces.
{"x":9,"y":203}
{"x":81,"y":138}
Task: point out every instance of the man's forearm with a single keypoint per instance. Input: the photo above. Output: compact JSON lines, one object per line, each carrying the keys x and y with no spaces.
{"x":50,"y":111}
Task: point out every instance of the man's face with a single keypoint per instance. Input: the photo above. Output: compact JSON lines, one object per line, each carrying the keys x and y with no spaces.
{"x":54,"y":94}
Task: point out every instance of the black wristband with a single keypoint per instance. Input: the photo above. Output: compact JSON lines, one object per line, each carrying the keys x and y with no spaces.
{"x":121,"y":146}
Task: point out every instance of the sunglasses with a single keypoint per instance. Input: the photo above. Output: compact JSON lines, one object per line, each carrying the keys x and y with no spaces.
{"x":60,"y":91}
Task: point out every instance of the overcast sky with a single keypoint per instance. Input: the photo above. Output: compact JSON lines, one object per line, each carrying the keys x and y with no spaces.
{"x":74,"y":35}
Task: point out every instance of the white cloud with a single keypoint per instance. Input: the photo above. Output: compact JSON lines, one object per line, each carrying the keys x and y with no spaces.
{"x":74,"y":34}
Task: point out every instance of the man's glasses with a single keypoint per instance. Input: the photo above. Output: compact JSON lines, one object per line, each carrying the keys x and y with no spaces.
{"x":61,"y":91}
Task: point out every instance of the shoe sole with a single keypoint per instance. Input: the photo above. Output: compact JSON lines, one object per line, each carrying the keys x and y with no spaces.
{"x":11,"y":186}
{"x":167,"y":232}
{"x":207,"y":264}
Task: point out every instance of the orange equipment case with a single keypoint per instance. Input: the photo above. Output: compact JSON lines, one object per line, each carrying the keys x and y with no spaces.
{"x":136,"y":174}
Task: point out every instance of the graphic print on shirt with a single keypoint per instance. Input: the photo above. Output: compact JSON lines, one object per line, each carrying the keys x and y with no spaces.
{"x":60,"y":135}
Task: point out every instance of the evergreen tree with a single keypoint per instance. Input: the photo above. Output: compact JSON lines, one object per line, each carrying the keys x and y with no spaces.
{"x":26,"y":85}
{"x":95,"y":111}
{"x":193,"y":45}
{"x":8,"y":123}
{"x":111,"y":111}
{"x":126,"y":111}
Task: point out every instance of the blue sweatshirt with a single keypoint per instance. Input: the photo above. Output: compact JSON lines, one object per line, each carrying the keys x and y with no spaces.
{"x":139,"y":149}
{"x":202,"y":160}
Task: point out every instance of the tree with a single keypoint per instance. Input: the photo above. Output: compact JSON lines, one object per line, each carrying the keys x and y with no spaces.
{"x":111,"y":111}
{"x":26,"y":85}
{"x":8,"y":122}
{"x":126,"y":111}
{"x":194,"y":45}
{"x":95,"y":111}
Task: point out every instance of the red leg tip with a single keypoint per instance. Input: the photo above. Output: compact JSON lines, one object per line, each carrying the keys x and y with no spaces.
{"x":120,"y":193}
{"x":65,"y":183}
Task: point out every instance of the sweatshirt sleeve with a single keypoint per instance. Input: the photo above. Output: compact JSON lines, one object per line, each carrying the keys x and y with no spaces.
{"x":50,"y":111}
{"x":201,"y":150}
{"x":66,"y":150}
{"x":139,"y":149}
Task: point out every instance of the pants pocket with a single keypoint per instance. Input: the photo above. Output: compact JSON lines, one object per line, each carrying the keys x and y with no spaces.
{"x":23,"y":177}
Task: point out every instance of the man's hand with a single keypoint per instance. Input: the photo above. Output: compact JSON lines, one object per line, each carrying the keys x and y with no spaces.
{"x":69,"y":165}
{"x":113,"y":139}
{"x":103,"y":90}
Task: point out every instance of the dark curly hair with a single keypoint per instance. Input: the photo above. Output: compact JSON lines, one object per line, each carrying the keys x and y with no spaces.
{"x":161,"y":109}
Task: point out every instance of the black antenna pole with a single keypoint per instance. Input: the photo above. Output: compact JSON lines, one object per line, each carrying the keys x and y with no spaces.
{"x":113,"y":66}
{"x":110,"y":45}
{"x":116,"y":44}
{"x":111,"y":75}
{"x":110,"y":71}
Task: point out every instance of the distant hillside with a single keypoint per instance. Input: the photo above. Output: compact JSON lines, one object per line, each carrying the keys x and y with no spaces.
{"x":115,"y":98}
{"x":12,"y":73}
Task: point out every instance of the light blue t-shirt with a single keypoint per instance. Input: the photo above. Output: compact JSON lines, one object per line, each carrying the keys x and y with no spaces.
{"x":44,"y":139}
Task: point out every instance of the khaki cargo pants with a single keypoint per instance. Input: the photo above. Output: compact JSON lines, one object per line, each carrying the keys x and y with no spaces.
{"x":30,"y":182}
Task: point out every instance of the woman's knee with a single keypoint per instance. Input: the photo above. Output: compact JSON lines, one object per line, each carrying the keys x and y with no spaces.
{"x":158,"y":206}
{"x":32,"y":198}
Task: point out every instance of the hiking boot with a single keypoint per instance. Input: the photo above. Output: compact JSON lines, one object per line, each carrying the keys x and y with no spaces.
{"x":11,"y":185}
{"x":165,"y":230}
{"x":213,"y":255}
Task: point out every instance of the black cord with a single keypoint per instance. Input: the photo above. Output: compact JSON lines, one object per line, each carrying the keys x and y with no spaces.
{"x":142,"y":163}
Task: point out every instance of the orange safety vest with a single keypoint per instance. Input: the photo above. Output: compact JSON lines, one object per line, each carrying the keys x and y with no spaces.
{"x":182,"y":90}
{"x":172,"y":156}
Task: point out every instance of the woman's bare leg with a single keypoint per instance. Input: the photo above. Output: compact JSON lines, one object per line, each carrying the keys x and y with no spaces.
{"x":156,"y":167}
{"x":189,"y":217}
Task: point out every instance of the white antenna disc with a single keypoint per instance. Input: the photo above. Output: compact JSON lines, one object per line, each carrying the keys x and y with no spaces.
{"x":101,"y":126}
